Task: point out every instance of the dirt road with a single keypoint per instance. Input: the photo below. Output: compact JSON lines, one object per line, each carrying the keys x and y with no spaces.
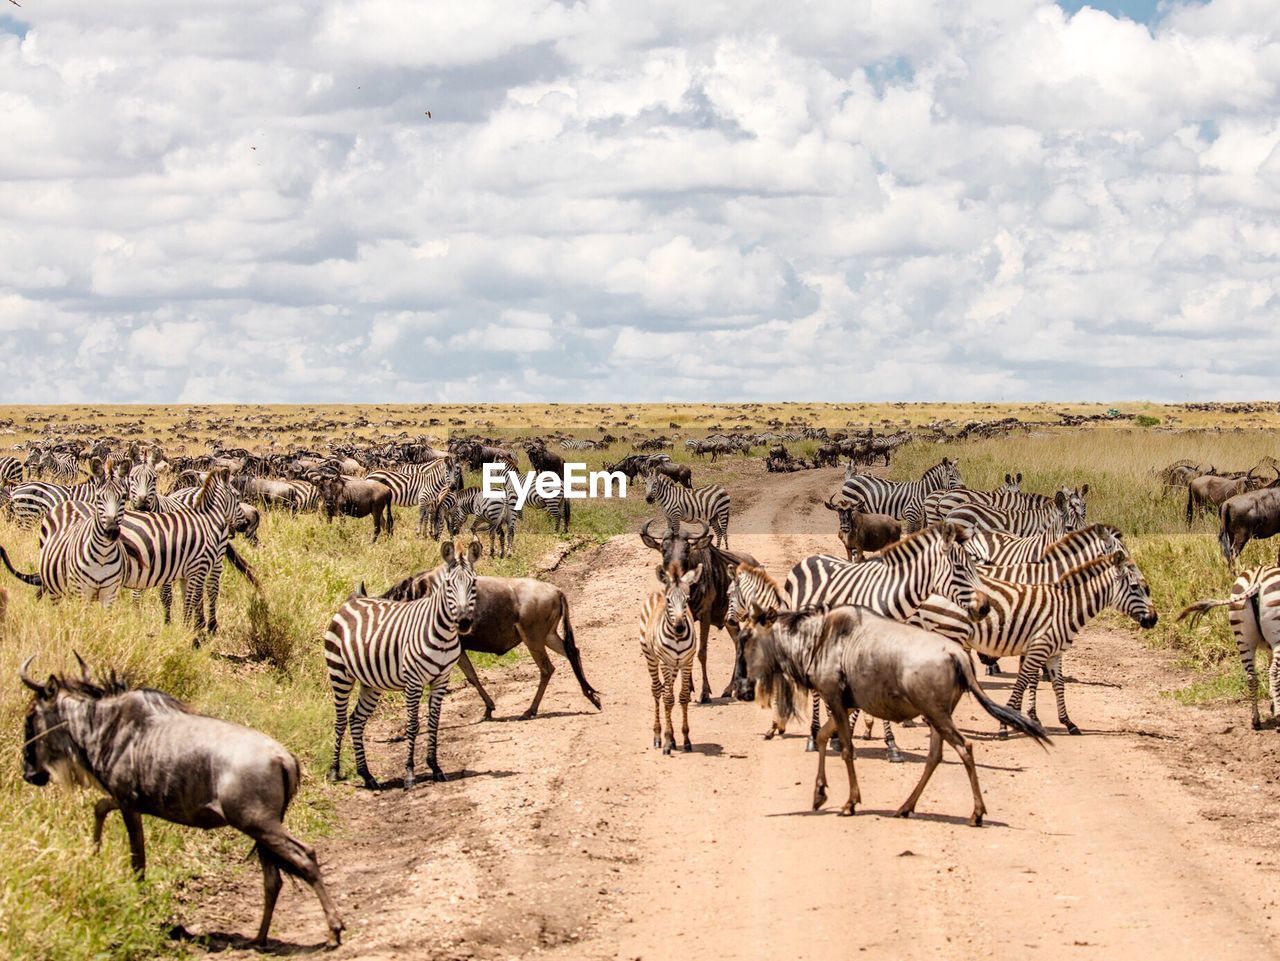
{"x":569,"y":837}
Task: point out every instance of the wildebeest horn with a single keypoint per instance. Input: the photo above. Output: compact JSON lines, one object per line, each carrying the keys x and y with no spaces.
{"x":649,"y":539}
{"x":26,"y":678}
{"x":701,"y":539}
{"x":830,"y":504}
{"x":84,"y":668}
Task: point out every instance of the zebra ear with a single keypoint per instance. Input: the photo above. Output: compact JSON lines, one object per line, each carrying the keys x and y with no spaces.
{"x":1060,"y":499}
{"x":1019,"y":477}
{"x":473,"y":551}
{"x":1118,"y":558}
{"x":447,"y":552}
{"x":662,"y":573}
{"x":1084,"y":490}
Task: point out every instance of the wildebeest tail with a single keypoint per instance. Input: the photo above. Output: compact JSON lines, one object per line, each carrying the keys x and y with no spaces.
{"x":1005,"y":715}
{"x":240,"y":564}
{"x":571,"y":653}
{"x":32,"y":579}
{"x":1224,"y":534}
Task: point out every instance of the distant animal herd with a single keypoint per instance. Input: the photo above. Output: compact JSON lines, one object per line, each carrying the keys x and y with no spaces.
{"x":933,"y":571}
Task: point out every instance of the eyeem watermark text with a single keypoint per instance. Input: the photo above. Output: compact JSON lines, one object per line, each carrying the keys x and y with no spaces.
{"x":577,"y":484}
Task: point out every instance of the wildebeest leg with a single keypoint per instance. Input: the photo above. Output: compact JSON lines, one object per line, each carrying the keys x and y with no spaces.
{"x":820,"y":782}
{"x":841,"y":717}
{"x":100,"y":811}
{"x":137,"y":841}
{"x":539,"y":654}
{"x":365,"y":704}
{"x":438,"y":690}
{"x":1060,"y":693}
{"x":952,"y":735}
{"x":668,"y":702}
{"x":278,"y":850}
{"x":412,"y":698}
{"x":812,"y":743}
{"x":931,"y":762}
{"x":686,"y":692}
{"x":704,"y":631}
{"x":469,"y":672}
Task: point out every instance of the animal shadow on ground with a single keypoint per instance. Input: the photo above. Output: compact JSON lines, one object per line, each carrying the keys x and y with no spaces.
{"x":424,"y":780}
{"x":218,"y":941}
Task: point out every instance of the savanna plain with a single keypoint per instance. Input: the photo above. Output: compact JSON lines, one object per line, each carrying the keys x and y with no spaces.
{"x":567,"y":835}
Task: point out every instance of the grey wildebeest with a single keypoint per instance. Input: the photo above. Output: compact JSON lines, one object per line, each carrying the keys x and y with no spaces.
{"x":1212,"y":490}
{"x":151,"y":754}
{"x":708,"y":596}
{"x":861,"y":531}
{"x":1254,"y":515}
{"x":634,"y":465}
{"x":356,"y":497}
{"x":509,"y":611}
{"x":857,"y":660}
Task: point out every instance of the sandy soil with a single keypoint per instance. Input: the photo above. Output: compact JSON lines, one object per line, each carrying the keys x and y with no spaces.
{"x":1151,"y":836}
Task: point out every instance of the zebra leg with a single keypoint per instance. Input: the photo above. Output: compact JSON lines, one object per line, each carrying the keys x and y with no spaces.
{"x":655,"y":685}
{"x":668,"y":702}
{"x":1060,"y":693}
{"x":930,"y":763}
{"x":438,"y":690}
{"x":1274,"y":678}
{"x":365,"y":704}
{"x":890,"y":745}
{"x":412,"y":699}
{"x":704,"y":628}
{"x":812,"y":743}
{"x":1028,"y":673}
{"x":341,"y":696}
{"x":212,"y":588}
{"x":1247,"y":658}
{"x":686,"y":692}
{"x":166,"y":601}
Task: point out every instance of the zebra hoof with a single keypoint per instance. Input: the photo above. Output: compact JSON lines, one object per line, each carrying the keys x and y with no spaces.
{"x":1003,"y":733}
{"x":333,"y":776}
{"x":370,"y":784}
{"x":704,"y":697}
{"x":836,"y":745}
{"x":1072,"y":729}
{"x":895,"y":757}
{"x":439,"y":777}
{"x":809,"y":745}
{"x":409,"y":781}
{"x":688,"y":747}
{"x":666,"y":749}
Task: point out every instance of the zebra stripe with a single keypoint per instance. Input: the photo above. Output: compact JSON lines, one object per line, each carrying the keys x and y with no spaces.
{"x":409,"y":483}
{"x":10,"y":470}
{"x":557,"y":506}
{"x":80,"y":550}
{"x":399,"y":646}
{"x":1037,"y":622}
{"x":668,"y":643}
{"x":901,"y":499}
{"x":29,"y":502}
{"x":1253,"y":610}
{"x":710,"y":504}
{"x":1056,"y":519}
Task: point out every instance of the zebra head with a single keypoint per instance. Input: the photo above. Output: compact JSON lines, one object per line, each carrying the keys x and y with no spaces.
{"x":1074,"y":505}
{"x":34,"y":464}
{"x":107,"y":517}
{"x":458,"y":585}
{"x":959,"y":575}
{"x":446,"y":514}
{"x":652,"y":485}
{"x":141,"y":490}
{"x":676,"y":597}
{"x":1130,"y":593}
{"x":1012,"y":483}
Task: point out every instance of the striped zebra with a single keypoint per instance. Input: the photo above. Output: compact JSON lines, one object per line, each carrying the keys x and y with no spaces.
{"x":1037,"y":622}
{"x":557,"y":506}
{"x":492,"y":514}
{"x":1000,"y":547}
{"x":900,"y":499}
{"x":30,"y":501}
{"x":710,"y":504}
{"x":60,"y":465}
{"x":1057,"y":519}
{"x":245,"y":518}
{"x":407,"y":646}
{"x":1008,"y":495}
{"x":1254,"y":612}
{"x":306,"y":496}
{"x":411,"y":483}
{"x":668,"y":643}
{"x":894,"y":584}
{"x":141,"y":487}
{"x":80,"y":555}
{"x":10,"y":470}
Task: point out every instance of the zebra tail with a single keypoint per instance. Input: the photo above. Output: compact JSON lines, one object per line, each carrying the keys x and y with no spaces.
{"x":1200,"y":608}
{"x":241,"y":565}
{"x":32,"y":579}
{"x":1005,"y":715}
{"x":571,"y":653}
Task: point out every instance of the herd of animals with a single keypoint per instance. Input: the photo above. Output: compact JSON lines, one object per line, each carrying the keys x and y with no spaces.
{"x":933,"y":572}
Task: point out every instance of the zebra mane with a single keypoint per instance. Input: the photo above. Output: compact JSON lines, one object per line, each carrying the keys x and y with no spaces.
{"x":1069,"y":539}
{"x":759,"y":572}
{"x":901,"y":548}
{"x":1086,"y":570}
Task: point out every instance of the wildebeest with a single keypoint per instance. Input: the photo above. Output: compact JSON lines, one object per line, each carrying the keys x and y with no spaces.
{"x":635,"y":465}
{"x":1212,"y":490}
{"x":509,"y":611}
{"x":542,"y":459}
{"x":151,"y":754}
{"x":356,"y":497}
{"x":861,"y":531}
{"x":857,"y":660}
{"x":1254,"y":613}
{"x":1254,"y":515}
{"x":709,"y":596}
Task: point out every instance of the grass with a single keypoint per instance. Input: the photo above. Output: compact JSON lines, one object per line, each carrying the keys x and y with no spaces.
{"x":59,"y":901}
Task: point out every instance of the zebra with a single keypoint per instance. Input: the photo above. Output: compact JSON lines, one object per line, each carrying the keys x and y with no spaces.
{"x":61,"y":465}
{"x":1037,"y":622}
{"x":900,"y":499}
{"x":668,"y":643}
{"x":141,"y":486}
{"x":80,"y":551}
{"x":306,"y":495}
{"x":993,"y":548}
{"x":1058,"y":518}
{"x":710,"y":504}
{"x":245,"y":518}
{"x":1254,"y":613}
{"x":30,"y":501}
{"x":494,"y":514}
{"x":894,"y":584}
{"x":399,"y":646}
{"x":410,"y":482}
{"x":557,"y":506}
{"x":10,"y":470}
{"x":1008,"y":495}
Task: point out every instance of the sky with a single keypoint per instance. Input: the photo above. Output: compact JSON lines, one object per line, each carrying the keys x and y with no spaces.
{"x":639,"y":201}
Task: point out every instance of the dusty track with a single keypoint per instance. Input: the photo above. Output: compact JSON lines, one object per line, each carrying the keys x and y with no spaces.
{"x":1150,"y":837}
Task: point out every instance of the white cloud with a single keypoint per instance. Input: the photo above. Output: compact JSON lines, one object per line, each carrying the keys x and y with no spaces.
{"x":627,"y":200}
